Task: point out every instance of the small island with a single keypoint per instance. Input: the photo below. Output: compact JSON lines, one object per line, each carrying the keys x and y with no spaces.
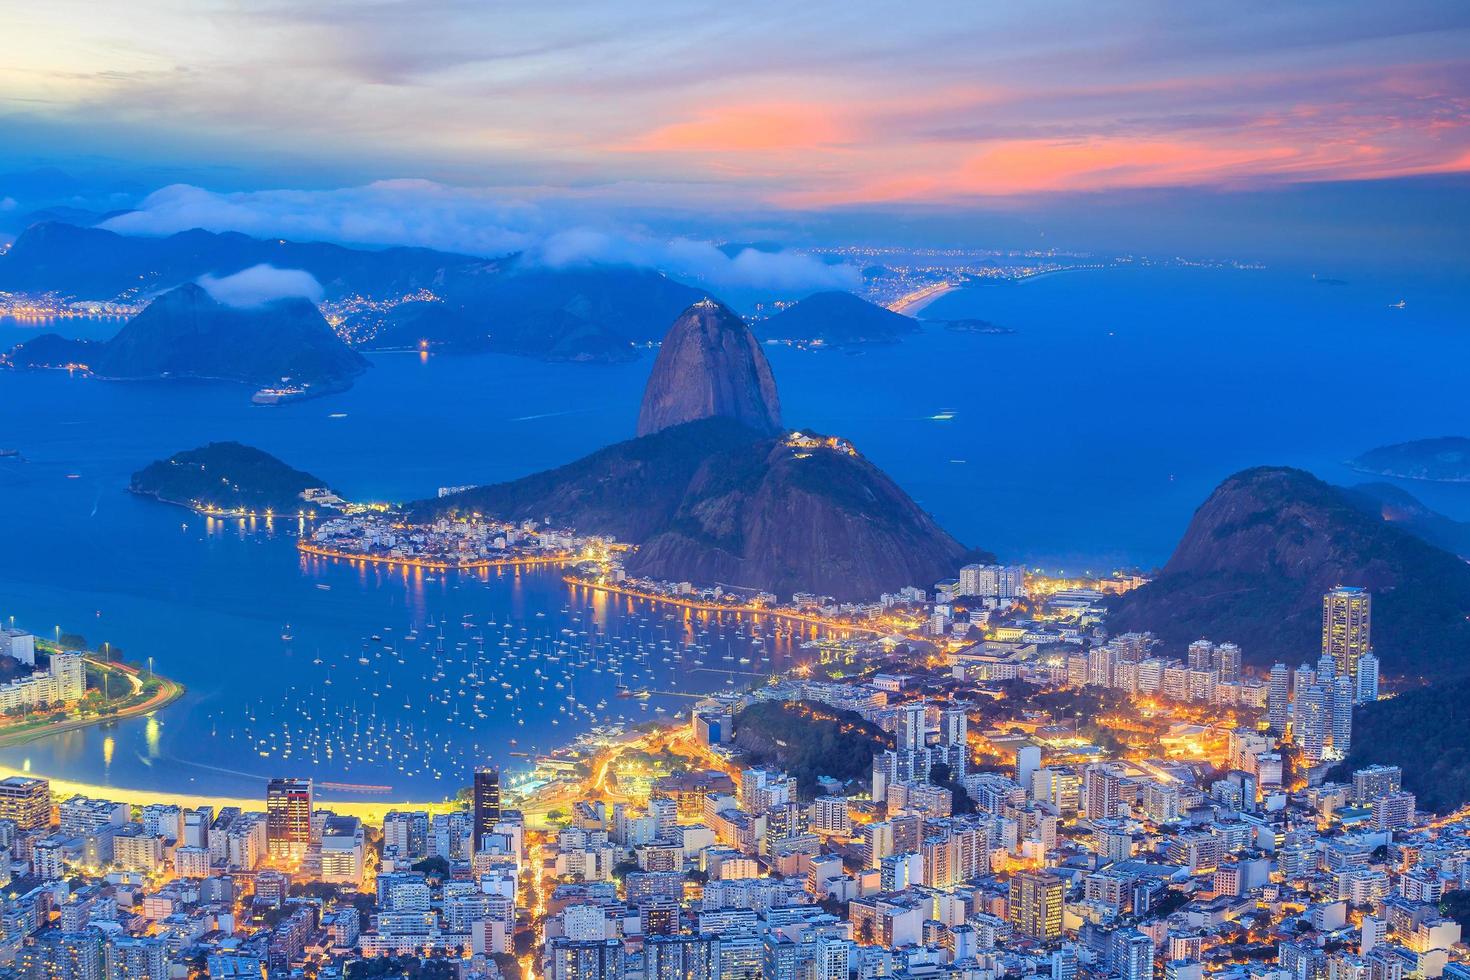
{"x":1442,"y":460}
{"x":234,"y":479}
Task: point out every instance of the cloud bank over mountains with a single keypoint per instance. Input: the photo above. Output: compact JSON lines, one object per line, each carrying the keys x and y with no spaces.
{"x":426,"y":214}
{"x":261,"y":284}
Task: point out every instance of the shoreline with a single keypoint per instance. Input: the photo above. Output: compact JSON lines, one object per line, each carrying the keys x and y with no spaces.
{"x":370,"y":812}
{"x":168,"y":692}
{"x":316,"y":551}
{"x":816,"y":622}
{"x":914,"y":302}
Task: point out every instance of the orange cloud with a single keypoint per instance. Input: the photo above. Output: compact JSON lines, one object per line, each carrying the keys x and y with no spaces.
{"x":765,"y":128}
{"x":1031,"y":166}
{"x":1020,"y":168}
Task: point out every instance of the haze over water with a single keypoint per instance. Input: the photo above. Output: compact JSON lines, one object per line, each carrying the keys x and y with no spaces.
{"x":1082,"y":441}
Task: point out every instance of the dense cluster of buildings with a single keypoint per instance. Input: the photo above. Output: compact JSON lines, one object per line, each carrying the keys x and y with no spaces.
{"x":98,"y":889}
{"x":452,"y":542}
{"x":63,"y":682}
{"x":989,"y":838}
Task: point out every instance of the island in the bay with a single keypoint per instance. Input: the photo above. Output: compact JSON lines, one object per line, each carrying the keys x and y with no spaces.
{"x":1442,"y":460}
{"x":230,"y":478}
{"x":282,"y":346}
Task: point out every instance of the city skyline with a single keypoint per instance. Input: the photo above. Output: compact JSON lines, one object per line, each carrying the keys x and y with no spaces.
{"x":685,"y":491}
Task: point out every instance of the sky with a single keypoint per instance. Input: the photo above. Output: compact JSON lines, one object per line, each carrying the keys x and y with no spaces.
{"x":1074,"y":124}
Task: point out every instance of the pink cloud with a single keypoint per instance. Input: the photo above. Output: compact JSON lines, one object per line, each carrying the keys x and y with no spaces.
{"x":764,"y":128}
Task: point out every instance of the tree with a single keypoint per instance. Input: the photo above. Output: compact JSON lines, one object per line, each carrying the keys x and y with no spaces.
{"x":435,"y":867}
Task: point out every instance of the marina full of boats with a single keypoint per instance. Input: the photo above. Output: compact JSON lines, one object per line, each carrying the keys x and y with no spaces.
{"x":421,"y":701}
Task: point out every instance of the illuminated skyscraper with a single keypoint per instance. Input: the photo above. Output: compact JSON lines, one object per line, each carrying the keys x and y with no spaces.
{"x":1312,"y":722}
{"x":1278,"y":697}
{"x":288,"y":806}
{"x":487,"y":804}
{"x":1347,"y":616}
{"x":912,"y":727}
{"x":1342,"y":715}
{"x":1227,"y":661}
{"x":1367,"y":679}
{"x":592,"y":959}
{"x":1034,"y":904}
{"x":1132,"y":955}
{"x":26,"y":800}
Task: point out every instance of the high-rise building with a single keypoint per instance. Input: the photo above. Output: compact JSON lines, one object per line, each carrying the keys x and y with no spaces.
{"x":56,"y":955}
{"x":741,"y":956}
{"x":1367,"y":679}
{"x":25,"y":800}
{"x":832,"y":960}
{"x":1326,"y":669}
{"x":1132,"y":955}
{"x":1202,"y":655}
{"x":585,"y":959}
{"x":1343,"y":696}
{"x":1227,"y":661}
{"x":288,"y":807}
{"x":992,"y":581}
{"x":487,"y":804}
{"x":1064,"y":964}
{"x":1301,"y":679}
{"x":1028,"y":760}
{"x":1102,"y":792}
{"x":1347,"y":620}
{"x":343,"y":850}
{"x":1312,"y":722}
{"x":1034,"y":904}
{"x":911,"y":727}
{"x":681,"y":958}
{"x":954,"y":746}
{"x":1278,"y":697}
{"x":136,"y":958}
{"x":1374,"y":781}
{"x":1393,"y":810}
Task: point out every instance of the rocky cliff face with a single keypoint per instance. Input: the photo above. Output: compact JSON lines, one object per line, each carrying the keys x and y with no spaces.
{"x":710,"y":365}
{"x":1259,"y":553}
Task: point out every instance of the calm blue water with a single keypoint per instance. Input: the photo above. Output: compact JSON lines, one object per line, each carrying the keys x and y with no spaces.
{"x":1083,"y":441}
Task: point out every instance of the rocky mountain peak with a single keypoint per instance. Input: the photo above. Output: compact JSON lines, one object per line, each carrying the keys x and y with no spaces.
{"x":710,"y":366}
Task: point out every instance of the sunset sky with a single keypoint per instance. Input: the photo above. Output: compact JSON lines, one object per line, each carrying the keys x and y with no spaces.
{"x":711,"y":111}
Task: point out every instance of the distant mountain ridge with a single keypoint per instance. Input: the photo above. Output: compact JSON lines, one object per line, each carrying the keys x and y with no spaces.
{"x":505,"y":304}
{"x":836,"y":318}
{"x":1444,"y":460}
{"x":1263,"y":548}
{"x":593,"y":313}
{"x":186,"y":333}
{"x":93,"y":263}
